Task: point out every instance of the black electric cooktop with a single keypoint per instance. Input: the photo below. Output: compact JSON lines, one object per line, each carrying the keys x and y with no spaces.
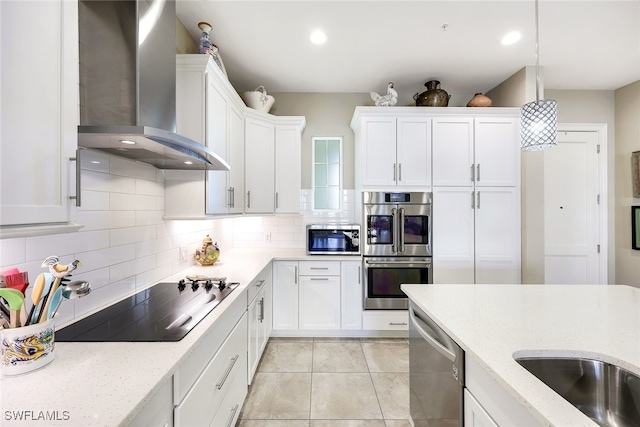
{"x":163,"y":312}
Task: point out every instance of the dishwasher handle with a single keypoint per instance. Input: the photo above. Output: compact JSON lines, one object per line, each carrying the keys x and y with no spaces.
{"x":433,"y":341}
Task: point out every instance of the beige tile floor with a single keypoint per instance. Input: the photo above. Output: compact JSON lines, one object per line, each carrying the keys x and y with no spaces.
{"x":330,"y":382}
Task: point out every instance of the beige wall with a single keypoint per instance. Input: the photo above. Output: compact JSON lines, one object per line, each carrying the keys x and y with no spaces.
{"x":517,"y":90}
{"x":627,"y":130}
{"x":327,"y":114}
{"x":184,"y":42}
{"x":594,"y":106}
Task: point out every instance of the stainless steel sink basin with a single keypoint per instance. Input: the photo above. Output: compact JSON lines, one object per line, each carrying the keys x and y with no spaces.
{"x":606,"y":393}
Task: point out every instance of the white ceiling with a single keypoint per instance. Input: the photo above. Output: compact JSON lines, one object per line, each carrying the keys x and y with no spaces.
{"x":585,"y":44}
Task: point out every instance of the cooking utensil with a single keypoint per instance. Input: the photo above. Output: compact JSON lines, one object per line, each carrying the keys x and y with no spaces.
{"x":41,"y":287}
{"x":77,"y":289}
{"x":56,"y":299}
{"x":42,"y":315}
{"x":15,"y":298}
{"x":19,"y":281}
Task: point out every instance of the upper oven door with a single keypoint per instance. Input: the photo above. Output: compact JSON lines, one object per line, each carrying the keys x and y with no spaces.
{"x":414,"y":236}
{"x":397,"y":230}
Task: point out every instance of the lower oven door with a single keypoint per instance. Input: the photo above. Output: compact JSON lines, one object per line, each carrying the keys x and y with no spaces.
{"x":384,"y":275}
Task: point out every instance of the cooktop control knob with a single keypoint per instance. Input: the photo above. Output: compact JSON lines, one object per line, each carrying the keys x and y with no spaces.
{"x":208,"y":285}
{"x":194,"y":285}
{"x":222,"y":284}
{"x":181,"y":285}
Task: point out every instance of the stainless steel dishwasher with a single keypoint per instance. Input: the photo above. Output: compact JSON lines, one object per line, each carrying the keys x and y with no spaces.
{"x":436,"y":373}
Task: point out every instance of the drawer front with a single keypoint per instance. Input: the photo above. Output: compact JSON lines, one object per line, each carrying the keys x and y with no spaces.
{"x":202,"y":401}
{"x":319,"y":268}
{"x":229,"y":410}
{"x":193,"y":365}
{"x":159,"y":410}
{"x":385,"y":321}
{"x":258,"y":283}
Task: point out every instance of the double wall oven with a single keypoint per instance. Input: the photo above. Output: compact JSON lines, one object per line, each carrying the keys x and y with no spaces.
{"x":396,"y":246}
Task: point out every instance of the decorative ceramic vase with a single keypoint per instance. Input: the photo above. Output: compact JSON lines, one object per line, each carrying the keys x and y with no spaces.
{"x":209,"y":253}
{"x":433,"y":96}
{"x":205,"y":41}
{"x":479,"y":100}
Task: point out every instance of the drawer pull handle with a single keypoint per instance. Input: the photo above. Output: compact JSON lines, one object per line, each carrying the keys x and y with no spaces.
{"x":319,"y":278}
{"x":260,"y":283}
{"x":397,"y":323}
{"x":228,"y":371}
{"x":319,"y":268}
{"x":233,"y":415}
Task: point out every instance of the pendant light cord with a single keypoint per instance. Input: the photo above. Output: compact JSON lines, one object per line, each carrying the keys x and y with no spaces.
{"x":537,"y":59}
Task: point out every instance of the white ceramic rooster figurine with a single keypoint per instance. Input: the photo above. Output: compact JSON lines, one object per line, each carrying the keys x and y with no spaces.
{"x":59,"y":270}
{"x":388,"y":100}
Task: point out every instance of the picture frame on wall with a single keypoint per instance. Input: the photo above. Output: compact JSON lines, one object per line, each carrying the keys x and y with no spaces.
{"x":635,"y":227}
{"x":635,"y":173}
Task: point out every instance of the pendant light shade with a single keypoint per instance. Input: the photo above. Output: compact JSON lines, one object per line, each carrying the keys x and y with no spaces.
{"x":539,"y":119}
{"x":538,"y":125}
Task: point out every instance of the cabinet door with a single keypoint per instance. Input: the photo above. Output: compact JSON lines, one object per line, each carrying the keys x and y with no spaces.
{"x":497,"y":152}
{"x":216,"y":118}
{"x":39,"y":110}
{"x":319,"y":302}
{"x":414,"y":151}
{"x":378,"y":151}
{"x":259,"y":164}
{"x":452,"y":151}
{"x":288,"y":169}
{"x":351,"y":300}
{"x":254,"y":331}
{"x":285,"y":295}
{"x":497,"y":235}
{"x":235,"y":195}
{"x":268,"y":308}
{"x":474,"y":414}
{"x":453,"y":235}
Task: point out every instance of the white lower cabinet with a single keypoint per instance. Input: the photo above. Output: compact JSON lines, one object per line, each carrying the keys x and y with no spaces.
{"x":319,"y":301}
{"x":385,"y":320}
{"x":285,"y":295}
{"x":222,"y":381}
{"x":487,"y":404}
{"x":351,"y":294}
{"x":474,"y":413}
{"x":159,"y":410}
{"x":259,"y":319}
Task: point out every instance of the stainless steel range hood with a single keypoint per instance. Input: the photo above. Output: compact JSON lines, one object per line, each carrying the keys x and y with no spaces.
{"x":127,"y":85}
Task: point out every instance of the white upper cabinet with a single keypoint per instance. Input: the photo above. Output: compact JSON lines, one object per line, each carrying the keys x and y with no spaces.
{"x":39,"y":112}
{"x":394,"y":150}
{"x":273,"y":176}
{"x":481,"y":151}
{"x":208,"y":110}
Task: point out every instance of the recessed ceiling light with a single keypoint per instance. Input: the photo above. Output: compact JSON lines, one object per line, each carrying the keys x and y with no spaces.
{"x":318,"y":37}
{"x":510,"y":38}
{"x":126,"y":141}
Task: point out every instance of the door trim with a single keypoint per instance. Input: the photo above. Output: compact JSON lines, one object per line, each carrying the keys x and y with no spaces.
{"x":601,"y":130}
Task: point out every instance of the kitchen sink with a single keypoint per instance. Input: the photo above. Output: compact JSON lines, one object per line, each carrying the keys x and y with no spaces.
{"x":606,"y":393}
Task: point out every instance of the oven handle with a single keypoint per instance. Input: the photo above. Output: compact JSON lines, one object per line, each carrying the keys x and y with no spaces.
{"x":394,"y":246}
{"x":401,"y":230}
{"x":426,"y":263}
{"x":417,"y":322}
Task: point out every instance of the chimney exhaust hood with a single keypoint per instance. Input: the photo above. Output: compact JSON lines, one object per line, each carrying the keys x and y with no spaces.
{"x":128,"y":85}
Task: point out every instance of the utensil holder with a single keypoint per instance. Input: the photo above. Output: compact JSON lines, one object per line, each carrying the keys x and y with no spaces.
{"x":26,"y":349}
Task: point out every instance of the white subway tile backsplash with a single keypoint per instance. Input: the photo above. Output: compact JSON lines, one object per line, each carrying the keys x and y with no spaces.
{"x":98,"y":181}
{"x":150,"y":188}
{"x":12,"y":251}
{"x":146,"y":278}
{"x":40,"y":247}
{"x":131,"y":268}
{"x":107,"y":257}
{"x":98,"y":278}
{"x":149,"y":247}
{"x":104,"y":220}
{"x":168,"y":257}
{"x":149,"y":217}
{"x":94,"y":201}
{"x":104,"y":296}
{"x":132,"y":202}
{"x":95,"y":161}
{"x":124,"y":236}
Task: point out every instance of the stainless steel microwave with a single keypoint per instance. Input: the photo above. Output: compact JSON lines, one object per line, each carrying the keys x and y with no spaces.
{"x":333,"y":239}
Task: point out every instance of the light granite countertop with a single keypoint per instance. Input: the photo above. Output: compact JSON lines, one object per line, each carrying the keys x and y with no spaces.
{"x":108,"y":384}
{"x":492,"y":322}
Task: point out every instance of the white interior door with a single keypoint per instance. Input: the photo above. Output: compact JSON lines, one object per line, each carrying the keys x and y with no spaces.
{"x":571,"y":209}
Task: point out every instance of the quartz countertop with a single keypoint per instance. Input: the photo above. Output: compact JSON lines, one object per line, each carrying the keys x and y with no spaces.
{"x":492,"y":322}
{"x":108,"y":384}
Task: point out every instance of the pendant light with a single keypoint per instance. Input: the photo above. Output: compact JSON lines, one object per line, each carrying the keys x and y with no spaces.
{"x":539,"y":119}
